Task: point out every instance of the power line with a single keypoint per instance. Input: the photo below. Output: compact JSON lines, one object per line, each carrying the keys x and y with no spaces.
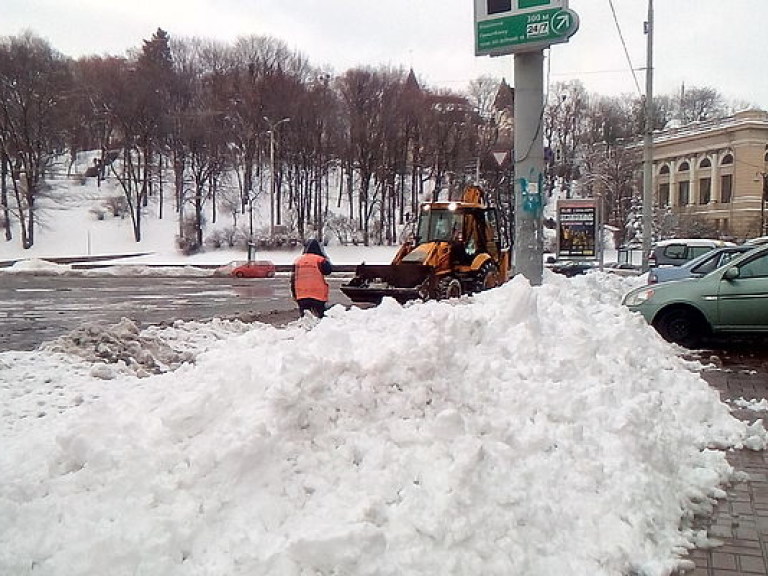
{"x":624,"y":44}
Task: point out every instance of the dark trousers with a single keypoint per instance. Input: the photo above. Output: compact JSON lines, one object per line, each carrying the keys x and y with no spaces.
{"x":316,"y":307}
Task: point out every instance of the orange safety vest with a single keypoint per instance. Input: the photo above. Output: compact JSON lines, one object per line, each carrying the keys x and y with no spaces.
{"x":309,"y":280}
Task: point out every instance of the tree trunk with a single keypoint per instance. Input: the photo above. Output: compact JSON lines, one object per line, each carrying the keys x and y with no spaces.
{"x":160,"y":186}
{"x":29,"y":237}
{"x":4,"y":197}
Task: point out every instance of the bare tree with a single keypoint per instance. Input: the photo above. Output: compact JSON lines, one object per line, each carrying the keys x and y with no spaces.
{"x":34,"y":80}
{"x":361,"y":93}
{"x":97,"y":100}
{"x":697,"y":104}
{"x":139,"y":96}
{"x":564,"y":129}
{"x":449,"y":129}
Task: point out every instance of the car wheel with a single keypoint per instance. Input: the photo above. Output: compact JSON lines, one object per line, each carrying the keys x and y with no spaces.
{"x":448,"y":287}
{"x":239,"y":275}
{"x":487,"y":277}
{"x":682,"y":326}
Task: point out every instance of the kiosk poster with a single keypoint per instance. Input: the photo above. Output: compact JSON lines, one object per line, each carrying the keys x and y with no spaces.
{"x":577,"y":229}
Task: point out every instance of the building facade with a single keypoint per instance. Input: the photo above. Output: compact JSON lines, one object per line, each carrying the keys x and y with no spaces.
{"x":716,"y":171}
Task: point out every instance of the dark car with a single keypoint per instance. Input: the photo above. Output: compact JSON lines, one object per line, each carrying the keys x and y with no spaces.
{"x":623,"y":268}
{"x":571,"y":268}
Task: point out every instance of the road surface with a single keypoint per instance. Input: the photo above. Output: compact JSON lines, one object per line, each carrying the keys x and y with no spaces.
{"x":37,"y":309}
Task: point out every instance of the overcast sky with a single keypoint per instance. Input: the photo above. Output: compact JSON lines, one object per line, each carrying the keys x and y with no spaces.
{"x":715,"y":43}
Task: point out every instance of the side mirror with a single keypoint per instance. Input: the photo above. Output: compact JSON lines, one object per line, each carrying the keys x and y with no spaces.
{"x":731,"y":273}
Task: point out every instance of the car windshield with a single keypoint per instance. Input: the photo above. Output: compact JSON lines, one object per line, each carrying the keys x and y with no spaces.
{"x":439,"y":224}
{"x":715,"y":261}
{"x":706,"y":265}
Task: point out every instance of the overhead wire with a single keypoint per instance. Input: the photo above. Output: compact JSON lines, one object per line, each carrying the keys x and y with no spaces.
{"x":549,"y":71}
{"x":624,"y":45}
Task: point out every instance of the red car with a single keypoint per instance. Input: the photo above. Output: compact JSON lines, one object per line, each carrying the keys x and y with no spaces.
{"x":254,"y":269}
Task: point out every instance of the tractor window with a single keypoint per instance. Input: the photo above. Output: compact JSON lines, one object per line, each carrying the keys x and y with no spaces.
{"x":439,"y":224}
{"x":493,"y":228}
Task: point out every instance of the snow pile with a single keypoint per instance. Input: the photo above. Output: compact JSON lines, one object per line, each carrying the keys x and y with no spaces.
{"x":752,"y":404}
{"x":153,"y":350}
{"x":532,"y":431}
{"x":38,"y":267}
{"x":144,"y":270}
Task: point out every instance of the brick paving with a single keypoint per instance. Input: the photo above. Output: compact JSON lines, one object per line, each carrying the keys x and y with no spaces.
{"x":739,"y":521}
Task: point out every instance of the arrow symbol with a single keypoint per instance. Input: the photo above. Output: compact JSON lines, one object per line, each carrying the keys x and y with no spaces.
{"x":561,"y":22}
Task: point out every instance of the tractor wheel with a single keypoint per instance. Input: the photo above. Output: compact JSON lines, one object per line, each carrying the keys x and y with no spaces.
{"x":487,"y":277}
{"x":682,"y":326}
{"x":425,"y":292}
{"x":448,"y":287}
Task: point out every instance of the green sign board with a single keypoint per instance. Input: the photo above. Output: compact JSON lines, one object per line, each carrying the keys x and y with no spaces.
{"x":521,"y":32}
{"x":523,"y":4}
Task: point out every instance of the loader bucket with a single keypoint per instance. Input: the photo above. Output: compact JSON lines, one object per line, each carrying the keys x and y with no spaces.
{"x":373,"y":282}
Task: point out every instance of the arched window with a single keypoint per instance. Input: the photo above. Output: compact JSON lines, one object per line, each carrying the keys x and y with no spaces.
{"x":684,"y":167}
{"x":705,"y":163}
{"x":664,"y":169}
{"x":664,"y":194}
{"x":727,"y":159}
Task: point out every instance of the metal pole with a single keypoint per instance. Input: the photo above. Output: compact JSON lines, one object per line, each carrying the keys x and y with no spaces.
{"x":529,"y":165}
{"x":648,"y":144}
{"x":272,"y":183}
{"x":250,"y":225}
{"x":764,"y":180}
{"x":272,"y":188}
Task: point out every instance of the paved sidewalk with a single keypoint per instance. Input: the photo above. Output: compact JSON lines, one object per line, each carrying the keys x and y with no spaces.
{"x":741,"y":520}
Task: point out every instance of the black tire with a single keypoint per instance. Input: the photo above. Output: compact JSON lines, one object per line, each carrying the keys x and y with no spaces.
{"x":239,"y":275}
{"x":487,"y":277}
{"x":448,"y":287}
{"x":682,"y":326}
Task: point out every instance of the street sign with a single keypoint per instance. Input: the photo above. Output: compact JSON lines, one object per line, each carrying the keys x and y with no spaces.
{"x":512,"y":26}
{"x":525,"y":31}
{"x":500,"y":157}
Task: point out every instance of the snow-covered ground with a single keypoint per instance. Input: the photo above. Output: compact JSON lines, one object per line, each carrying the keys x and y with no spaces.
{"x":526,"y":430}
{"x":515,"y":432}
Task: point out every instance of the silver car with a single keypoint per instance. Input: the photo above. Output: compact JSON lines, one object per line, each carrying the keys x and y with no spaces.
{"x":677,"y":251}
{"x":699,"y":266}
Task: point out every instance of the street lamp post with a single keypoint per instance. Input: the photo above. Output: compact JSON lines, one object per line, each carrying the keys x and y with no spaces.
{"x":648,"y":143}
{"x":250,"y":225}
{"x":272,"y":128}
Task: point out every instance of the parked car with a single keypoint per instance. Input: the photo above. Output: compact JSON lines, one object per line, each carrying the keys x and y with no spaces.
{"x":757,"y":241}
{"x":254,"y":269}
{"x":730,"y":300}
{"x":623,"y":268}
{"x":697,"y":267}
{"x":571,"y":268}
{"x":678,"y":251}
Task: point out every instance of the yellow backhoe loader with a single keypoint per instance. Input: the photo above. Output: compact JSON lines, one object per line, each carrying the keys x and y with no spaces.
{"x":457,"y":249}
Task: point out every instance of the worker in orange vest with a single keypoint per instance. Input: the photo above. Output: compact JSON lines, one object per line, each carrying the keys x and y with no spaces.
{"x":308,"y":285}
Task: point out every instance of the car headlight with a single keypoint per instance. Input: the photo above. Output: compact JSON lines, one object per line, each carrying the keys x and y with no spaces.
{"x":638,"y":297}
